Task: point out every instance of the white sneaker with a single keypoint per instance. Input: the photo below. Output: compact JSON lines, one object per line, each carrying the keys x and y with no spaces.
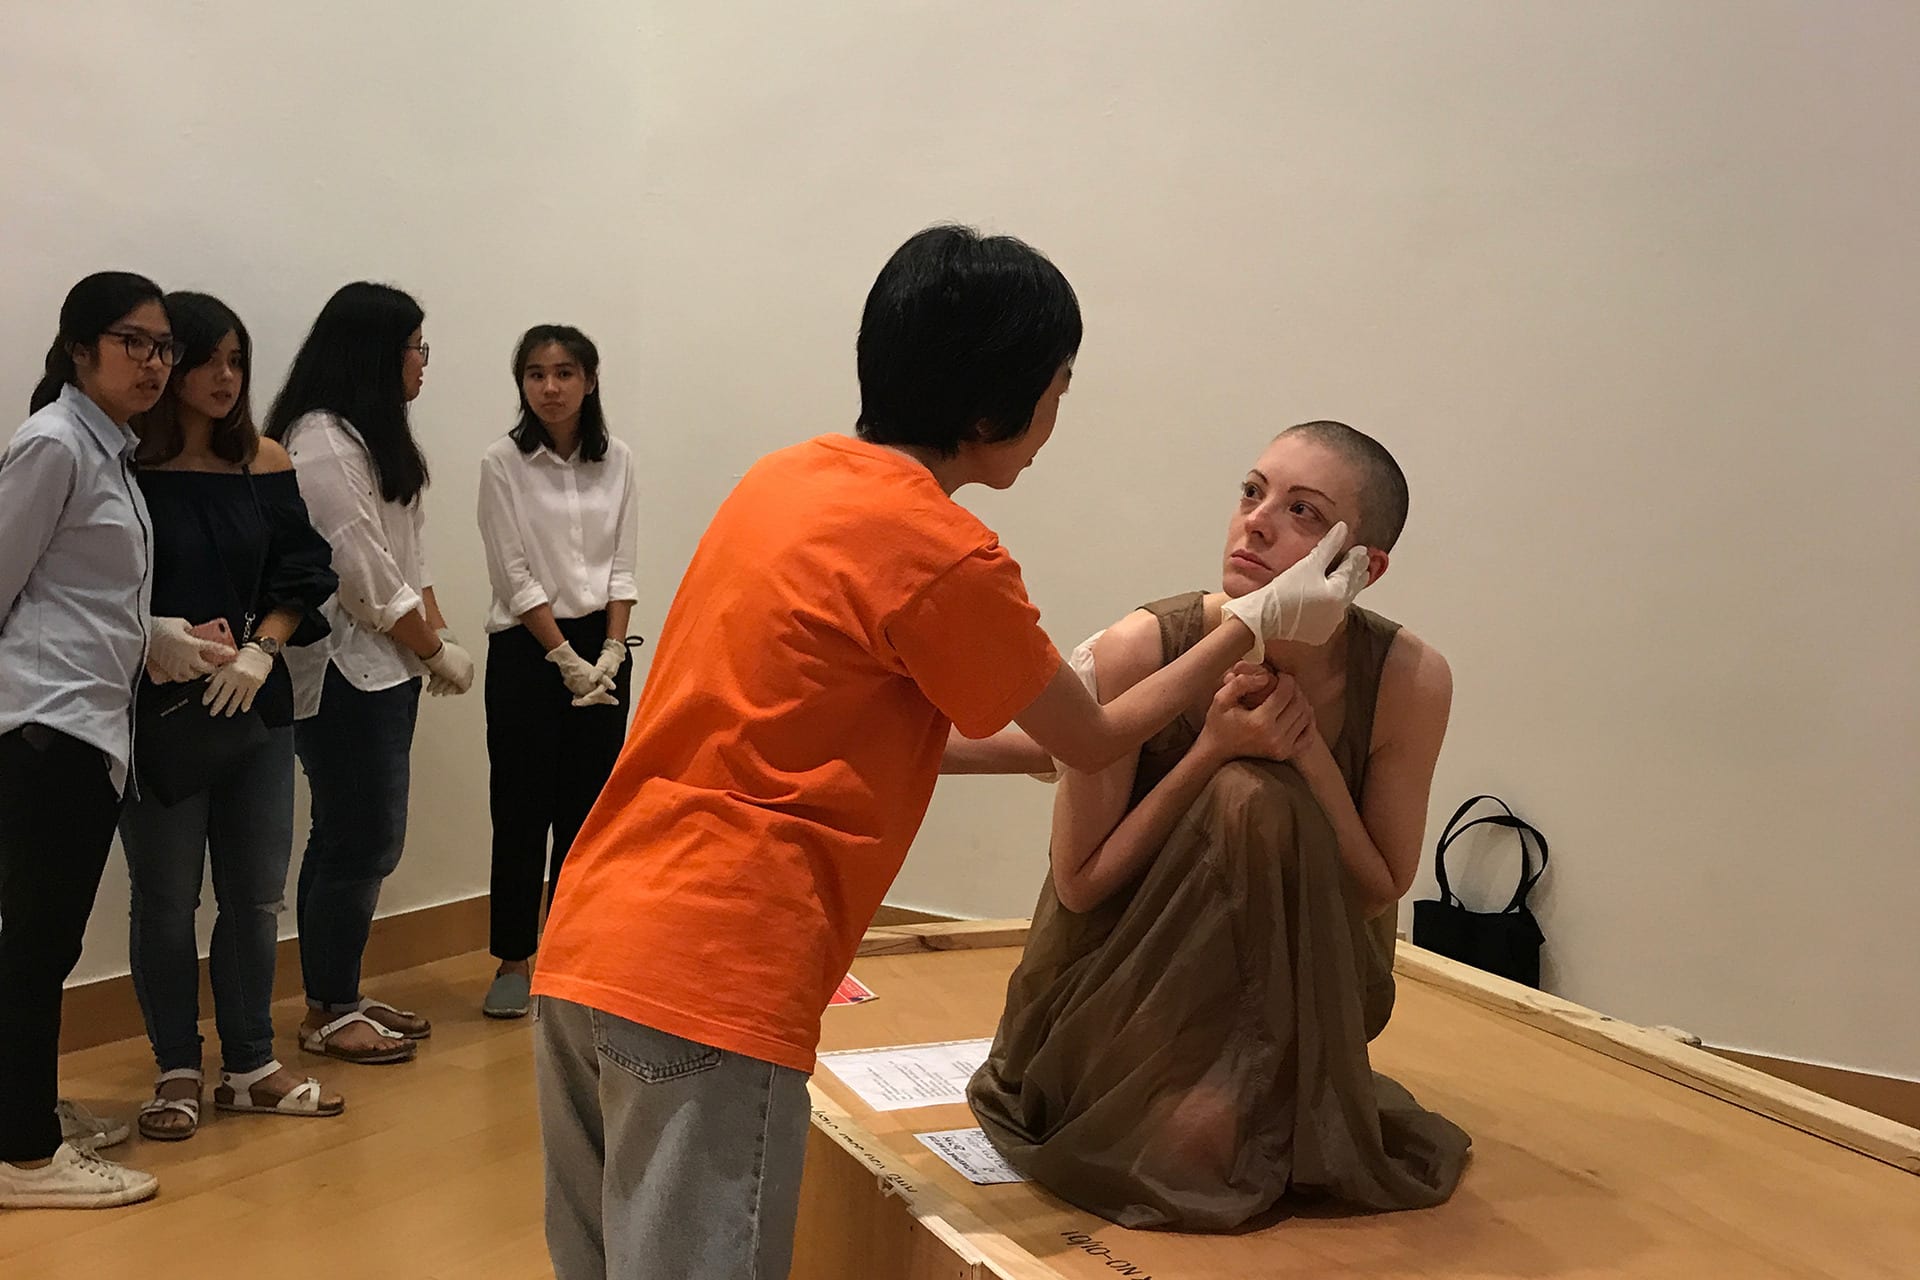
{"x":87,"y":1131}
{"x":75,"y":1180}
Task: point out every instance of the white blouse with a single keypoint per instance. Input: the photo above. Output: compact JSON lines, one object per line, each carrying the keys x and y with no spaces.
{"x":378,"y":553}
{"x":558,"y":531}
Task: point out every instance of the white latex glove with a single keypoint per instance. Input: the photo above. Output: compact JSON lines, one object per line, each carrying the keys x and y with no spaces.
{"x":613,"y":656}
{"x":582,"y":677}
{"x":598,"y":698}
{"x":1080,"y":662}
{"x":451,"y":668}
{"x":1304,"y":604}
{"x":173,"y":655}
{"x":233,"y":686}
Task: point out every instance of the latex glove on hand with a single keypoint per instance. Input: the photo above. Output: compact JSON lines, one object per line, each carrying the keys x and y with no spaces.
{"x":450,"y":668}
{"x":582,"y":678}
{"x":235,"y":685}
{"x":613,"y":656}
{"x":174,"y":654}
{"x":598,"y":698}
{"x":1305,"y":604}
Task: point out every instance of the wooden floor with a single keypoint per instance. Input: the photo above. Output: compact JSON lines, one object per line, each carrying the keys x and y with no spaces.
{"x":1584,"y":1167}
{"x":435,"y":1167}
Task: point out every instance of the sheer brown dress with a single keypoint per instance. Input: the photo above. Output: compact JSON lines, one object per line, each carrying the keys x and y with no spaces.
{"x":1194,"y":1048}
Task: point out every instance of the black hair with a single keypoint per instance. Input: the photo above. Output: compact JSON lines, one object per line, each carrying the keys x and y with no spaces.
{"x":961,"y":336}
{"x":201,"y":322}
{"x":91,"y":308}
{"x":352,"y":365}
{"x":1383,"y":486}
{"x":530,"y":433}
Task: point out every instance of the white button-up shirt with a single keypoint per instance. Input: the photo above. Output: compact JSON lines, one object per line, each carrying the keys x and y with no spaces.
{"x":558,"y":531}
{"x":76,"y":578}
{"x":378,"y":553}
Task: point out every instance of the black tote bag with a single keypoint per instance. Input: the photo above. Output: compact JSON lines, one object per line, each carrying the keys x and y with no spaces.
{"x":1505,"y":942}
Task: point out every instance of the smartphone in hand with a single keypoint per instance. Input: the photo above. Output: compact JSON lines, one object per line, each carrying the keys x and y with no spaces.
{"x":216,"y":632}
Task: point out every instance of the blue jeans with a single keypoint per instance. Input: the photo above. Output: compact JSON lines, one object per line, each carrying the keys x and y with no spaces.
{"x":665,"y":1157}
{"x":244,"y":826}
{"x":356,"y":752}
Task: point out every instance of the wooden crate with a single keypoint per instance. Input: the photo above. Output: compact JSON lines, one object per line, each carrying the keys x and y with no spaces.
{"x":1601,"y":1149}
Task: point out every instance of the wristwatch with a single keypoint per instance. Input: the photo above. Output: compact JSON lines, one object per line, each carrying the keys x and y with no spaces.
{"x":268,"y":645}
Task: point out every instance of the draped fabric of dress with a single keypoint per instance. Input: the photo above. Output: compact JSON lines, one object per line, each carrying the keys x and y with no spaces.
{"x":1195,"y":1047}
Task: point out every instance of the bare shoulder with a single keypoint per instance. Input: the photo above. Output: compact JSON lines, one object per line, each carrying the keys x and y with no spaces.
{"x":1127,"y":653}
{"x":271,"y":456}
{"x":1416,"y":691}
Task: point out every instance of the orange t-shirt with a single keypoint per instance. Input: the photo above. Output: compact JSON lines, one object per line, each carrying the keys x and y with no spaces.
{"x":841,"y":611}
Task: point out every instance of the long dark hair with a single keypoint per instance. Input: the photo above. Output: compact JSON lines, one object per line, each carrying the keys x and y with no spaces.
{"x":92,"y":307}
{"x":530,"y":433}
{"x":201,"y":321}
{"x":352,"y":365}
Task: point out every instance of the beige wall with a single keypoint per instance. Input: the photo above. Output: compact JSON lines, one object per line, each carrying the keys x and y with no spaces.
{"x":1629,"y":288}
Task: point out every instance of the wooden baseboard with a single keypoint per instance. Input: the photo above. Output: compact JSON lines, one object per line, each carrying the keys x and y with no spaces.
{"x":105,"y":1011}
{"x":1888,"y":1096}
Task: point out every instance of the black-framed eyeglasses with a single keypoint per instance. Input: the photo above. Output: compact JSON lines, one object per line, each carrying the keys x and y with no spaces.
{"x":142,"y":347}
{"x":421,"y":347}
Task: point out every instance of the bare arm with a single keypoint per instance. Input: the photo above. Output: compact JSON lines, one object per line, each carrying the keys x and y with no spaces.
{"x":435,"y":619}
{"x":1099,"y":845}
{"x":415,"y":632}
{"x":540,"y":621}
{"x":1380,"y":841}
{"x":1009,"y":751}
{"x":619,"y":614}
{"x":1071,"y":727}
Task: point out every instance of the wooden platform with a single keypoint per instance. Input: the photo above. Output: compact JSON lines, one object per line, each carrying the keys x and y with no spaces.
{"x":1587,"y":1166}
{"x":1600,"y":1150}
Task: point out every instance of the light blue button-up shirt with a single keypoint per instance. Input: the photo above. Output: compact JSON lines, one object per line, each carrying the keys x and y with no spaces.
{"x":76,"y":578}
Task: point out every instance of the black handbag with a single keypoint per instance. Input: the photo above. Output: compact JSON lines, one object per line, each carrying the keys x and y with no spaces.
{"x":1505,"y":942}
{"x":180,"y":748}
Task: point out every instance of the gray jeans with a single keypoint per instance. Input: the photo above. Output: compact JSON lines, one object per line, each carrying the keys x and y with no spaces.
{"x":665,"y":1158}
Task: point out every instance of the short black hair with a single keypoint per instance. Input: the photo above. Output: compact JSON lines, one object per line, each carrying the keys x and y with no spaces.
{"x":529,"y":433}
{"x":961,"y":336}
{"x":1383,"y":486}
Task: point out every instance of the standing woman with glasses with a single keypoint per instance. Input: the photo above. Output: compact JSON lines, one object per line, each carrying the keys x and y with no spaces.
{"x":556,"y":517}
{"x":76,"y":557}
{"x":342,"y":416}
{"x":232,"y":545}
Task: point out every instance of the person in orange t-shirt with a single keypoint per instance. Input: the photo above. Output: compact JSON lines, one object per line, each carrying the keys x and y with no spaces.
{"x":841,"y":613}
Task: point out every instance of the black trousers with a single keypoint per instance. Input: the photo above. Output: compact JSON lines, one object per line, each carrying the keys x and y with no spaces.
{"x":57,"y":814}
{"x":547,"y":761}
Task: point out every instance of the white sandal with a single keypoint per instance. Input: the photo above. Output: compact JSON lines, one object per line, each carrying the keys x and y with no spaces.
{"x":397,"y":1049}
{"x":367,"y":1005}
{"x":157,"y":1105}
{"x":304,"y":1099}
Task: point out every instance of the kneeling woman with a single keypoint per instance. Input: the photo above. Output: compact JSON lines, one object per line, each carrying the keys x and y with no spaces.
{"x":1186,"y":1038}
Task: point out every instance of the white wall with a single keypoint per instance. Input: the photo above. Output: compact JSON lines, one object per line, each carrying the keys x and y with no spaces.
{"x":1630,"y":289}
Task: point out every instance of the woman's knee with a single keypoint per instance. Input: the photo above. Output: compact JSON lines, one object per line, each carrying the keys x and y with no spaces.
{"x":1272,"y":809}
